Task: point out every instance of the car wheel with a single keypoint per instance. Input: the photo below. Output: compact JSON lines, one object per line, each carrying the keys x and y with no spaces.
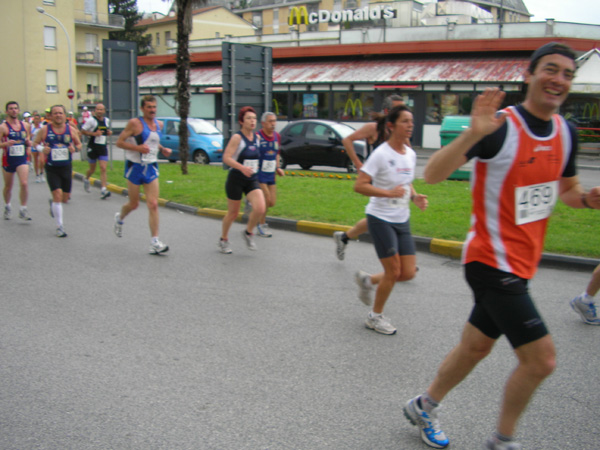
{"x":200,"y":157}
{"x":350,"y":167}
{"x":282,"y":163}
{"x":305,"y":166}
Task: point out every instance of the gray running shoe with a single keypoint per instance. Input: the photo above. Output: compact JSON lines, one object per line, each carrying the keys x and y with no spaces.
{"x":156,"y":248}
{"x":224,"y":247}
{"x":494,"y":443}
{"x":427,"y":422}
{"x":340,"y":246}
{"x":249,"y":238}
{"x":364,"y":287}
{"x":380,"y":323}
{"x":118,"y":225}
{"x":60,"y":232}
{"x":587,"y":311}
{"x":105,"y":194}
{"x":24,"y":214}
{"x":86,"y":184}
{"x":7,"y":212}
{"x":264,"y":230}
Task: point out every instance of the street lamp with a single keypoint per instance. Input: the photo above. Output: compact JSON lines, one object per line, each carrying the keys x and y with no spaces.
{"x":42,"y":11}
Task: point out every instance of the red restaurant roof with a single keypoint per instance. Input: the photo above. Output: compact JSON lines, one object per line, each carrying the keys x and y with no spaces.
{"x":442,"y":70}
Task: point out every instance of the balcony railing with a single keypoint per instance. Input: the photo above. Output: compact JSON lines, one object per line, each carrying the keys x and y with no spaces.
{"x":88,"y":57}
{"x":103,"y":20}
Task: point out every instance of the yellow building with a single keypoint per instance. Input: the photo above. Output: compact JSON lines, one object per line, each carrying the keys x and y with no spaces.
{"x":36,"y":69}
{"x":208,"y":23}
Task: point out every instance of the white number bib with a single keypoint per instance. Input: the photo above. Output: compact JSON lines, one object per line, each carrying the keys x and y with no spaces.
{"x":535,"y":202}
{"x":252,"y":163}
{"x":269,"y":165}
{"x":60,"y":154}
{"x":150,"y":157}
{"x":100,"y":140}
{"x":16,"y":150}
{"x":400,"y":202}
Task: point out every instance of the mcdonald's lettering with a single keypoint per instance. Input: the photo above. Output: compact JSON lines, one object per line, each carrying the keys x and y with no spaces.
{"x":301,"y":14}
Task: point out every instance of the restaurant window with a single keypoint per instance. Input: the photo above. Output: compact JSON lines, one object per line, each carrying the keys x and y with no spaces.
{"x":353,"y":105}
{"x":280,"y":105}
{"x":310,"y":105}
{"x":440,"y":105}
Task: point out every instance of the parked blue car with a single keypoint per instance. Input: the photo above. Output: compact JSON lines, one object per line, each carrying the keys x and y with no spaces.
{"x":205,"y":140}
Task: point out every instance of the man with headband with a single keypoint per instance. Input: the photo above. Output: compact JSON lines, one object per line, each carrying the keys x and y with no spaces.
{"x":524,"y":160}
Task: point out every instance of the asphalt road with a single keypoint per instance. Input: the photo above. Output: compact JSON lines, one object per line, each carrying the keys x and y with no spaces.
{"x":103,"y":346}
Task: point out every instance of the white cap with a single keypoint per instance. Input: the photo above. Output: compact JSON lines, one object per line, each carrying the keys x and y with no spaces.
{"x":26,"y":114}
{"x":85,"y":108}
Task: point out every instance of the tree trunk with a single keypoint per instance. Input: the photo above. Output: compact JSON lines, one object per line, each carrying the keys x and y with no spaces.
{"x":184,"y":27}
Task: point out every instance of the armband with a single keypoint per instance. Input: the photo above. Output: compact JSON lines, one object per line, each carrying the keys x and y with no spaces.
{"x":584,"y":201}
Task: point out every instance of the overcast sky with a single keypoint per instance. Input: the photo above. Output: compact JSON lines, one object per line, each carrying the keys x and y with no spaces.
{"x":581,"y":11}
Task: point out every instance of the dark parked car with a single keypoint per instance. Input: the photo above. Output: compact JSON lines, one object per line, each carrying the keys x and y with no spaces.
{"x":318,"y":143}
{"x":205,"y":140}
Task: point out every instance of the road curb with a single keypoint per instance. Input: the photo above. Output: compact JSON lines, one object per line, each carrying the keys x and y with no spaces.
{"x":449,"y":248}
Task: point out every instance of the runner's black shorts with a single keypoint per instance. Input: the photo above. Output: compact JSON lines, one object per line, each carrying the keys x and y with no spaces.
{"x":390,"y":238}
{"x":59,"y":177}
{"x":503,"y":305}
{"x":238,"y":184}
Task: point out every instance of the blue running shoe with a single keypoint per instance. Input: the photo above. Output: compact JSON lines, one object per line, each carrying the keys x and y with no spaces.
{"x":428,"y":422}
{"x":585,"y":309}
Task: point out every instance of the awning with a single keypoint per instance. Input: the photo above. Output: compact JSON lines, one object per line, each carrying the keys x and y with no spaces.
{"x":469,"y":70}
{"x":587,"y":77}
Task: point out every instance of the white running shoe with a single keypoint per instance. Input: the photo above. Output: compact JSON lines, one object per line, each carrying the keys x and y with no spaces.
{"x":86,"y":185}
{"x":156,"y":248}
{"x":264,"y":230}
{"x":586,"y":310}
{"x":249,"y":238}
{"x":60,"y":232}
{"x":105,"y":194}
{"x":494,"y":443}
{"x":24,"y":214}
{"x":340,"y":246}
{"x":224,"y":247}
{"x":379,"y":323}
{"x":118,"y":225}
{"x":7,"y":212}
{"x":363,"y":280}
{"x":429,"y":424}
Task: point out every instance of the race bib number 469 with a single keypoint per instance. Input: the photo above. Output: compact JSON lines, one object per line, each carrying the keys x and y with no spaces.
{"x":535,"y":202}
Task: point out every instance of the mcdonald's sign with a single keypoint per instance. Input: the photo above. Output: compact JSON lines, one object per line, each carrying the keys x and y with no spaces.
{"x":593,"y":108}
{"x":354,"y":105}
{"x":300,"y":13}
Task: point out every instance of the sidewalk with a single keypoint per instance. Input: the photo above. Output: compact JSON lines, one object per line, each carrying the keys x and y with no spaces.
{"x":443,"y":247}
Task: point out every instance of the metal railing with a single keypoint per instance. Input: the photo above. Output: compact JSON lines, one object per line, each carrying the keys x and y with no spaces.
{"x":99,"y":19}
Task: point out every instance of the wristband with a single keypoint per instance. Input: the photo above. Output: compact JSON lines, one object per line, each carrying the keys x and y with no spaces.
{"x":584,"y":201}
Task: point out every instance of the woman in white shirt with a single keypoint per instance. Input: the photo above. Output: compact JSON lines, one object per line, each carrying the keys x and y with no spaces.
{"x":386,"y":177}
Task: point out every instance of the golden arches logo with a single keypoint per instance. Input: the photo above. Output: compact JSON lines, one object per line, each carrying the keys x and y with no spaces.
{"x":353,"y":105}
{"x":593,"y":108}
{"x":299,"y":12}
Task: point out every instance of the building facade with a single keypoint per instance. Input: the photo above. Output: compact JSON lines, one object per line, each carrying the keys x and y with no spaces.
{"x":42,"y":61}
{"x":211,"y":22}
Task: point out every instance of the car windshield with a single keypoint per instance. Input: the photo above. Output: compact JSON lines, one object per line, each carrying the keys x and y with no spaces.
{"x":201,"y":126}
{"x":342,"y":129}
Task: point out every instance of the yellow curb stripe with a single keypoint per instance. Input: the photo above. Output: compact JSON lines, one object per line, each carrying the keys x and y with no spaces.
{"x":116,"y":189}
{"x":325,"y":229}
{"x":447,"y":248}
